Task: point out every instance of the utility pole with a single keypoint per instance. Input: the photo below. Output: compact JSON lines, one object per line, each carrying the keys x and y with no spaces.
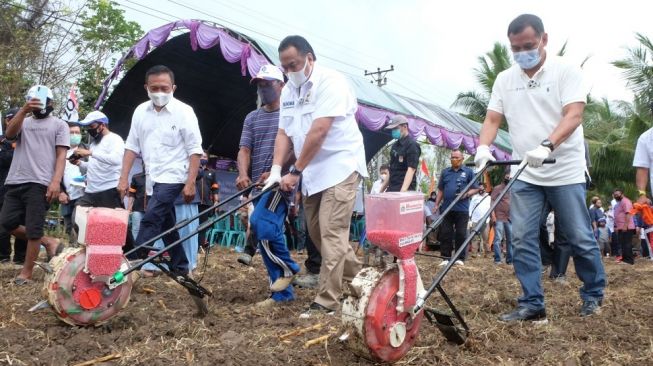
{"x":379,"y":75}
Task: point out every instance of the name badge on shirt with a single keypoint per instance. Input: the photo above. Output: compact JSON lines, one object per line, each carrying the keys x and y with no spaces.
{"x":288,"y":104}
{"x":401,"y":158}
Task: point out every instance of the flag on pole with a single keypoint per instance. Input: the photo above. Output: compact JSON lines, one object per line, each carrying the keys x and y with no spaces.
{"x":70,"y":113}
{"x":425,"y":169}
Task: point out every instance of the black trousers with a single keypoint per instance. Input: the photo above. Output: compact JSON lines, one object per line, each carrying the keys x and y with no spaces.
{"x":20,"y":246}
{"x":625,"y":239}
{"x":314,"y":260}
{"x":454,"y":228}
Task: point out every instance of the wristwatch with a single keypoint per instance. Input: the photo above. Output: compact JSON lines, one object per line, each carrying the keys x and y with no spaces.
{"x":548,"y":143}
{"x":294,"y":171}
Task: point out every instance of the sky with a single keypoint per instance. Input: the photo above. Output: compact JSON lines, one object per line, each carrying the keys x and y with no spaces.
{"x":433,"y":45}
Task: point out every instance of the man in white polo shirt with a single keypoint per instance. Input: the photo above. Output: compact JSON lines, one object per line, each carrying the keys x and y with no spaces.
{"x":166,"y":133}
{"x":543,"y":99}
{"x":643,"y":160}
{"x":317,"y":118}
{"x":104,"y":162}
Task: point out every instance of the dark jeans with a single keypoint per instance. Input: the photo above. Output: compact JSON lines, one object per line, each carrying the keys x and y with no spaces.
{"x":646,"y":250}
{"x":625,"y":239}
{"x":454,"y":225}
{"x":159,"y":217}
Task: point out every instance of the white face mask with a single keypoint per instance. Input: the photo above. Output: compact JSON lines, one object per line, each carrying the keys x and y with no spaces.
{"x":159,"y":99}
{"x":384,"y":177}
{"x":298,"y":78}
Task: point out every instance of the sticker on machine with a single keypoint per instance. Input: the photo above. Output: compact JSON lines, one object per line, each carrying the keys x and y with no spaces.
{"x":411,"y":207}
{"x":410,"y":239}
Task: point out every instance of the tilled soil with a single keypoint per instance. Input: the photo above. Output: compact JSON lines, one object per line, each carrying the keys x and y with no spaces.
{"x":158,"y":326}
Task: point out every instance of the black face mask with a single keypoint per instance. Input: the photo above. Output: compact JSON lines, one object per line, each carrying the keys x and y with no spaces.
{"x":619,"y":198}
{"x":40,"y":114}
{"x":95,"y":133}
{"x":506,"y":181}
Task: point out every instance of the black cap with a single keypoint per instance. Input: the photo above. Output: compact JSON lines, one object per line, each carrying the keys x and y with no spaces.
{"x":11,"y":112}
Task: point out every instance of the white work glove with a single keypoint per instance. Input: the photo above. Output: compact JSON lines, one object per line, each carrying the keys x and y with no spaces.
{"x":275,"y":176}
{"x":535,"y":158}
{"x":483,"y":156}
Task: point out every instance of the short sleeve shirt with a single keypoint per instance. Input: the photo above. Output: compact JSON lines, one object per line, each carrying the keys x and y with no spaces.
{"x":644,"y":153}
{"x":621,"y":210}
{"x":35,"y":154}
{"x":533,"y":108}
{"x":259,"y":133}
{"x":502,"y":211}
{"x":451,"y":183}
{"x":404,"y":154}
{"x":326,"y":94}
{"x":165,"y":139}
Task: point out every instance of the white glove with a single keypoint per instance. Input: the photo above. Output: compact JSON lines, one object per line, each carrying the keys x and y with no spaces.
{"x":275,"y":176}
{"x":483,"y":156}
{"x":535,"y":158}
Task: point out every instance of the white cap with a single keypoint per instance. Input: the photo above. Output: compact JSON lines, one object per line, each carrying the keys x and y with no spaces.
{"x":31,"y":93}
{"x":95,"y":116}
{"x":268,"y":72}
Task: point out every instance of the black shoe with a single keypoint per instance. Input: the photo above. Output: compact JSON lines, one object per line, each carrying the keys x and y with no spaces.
{"x":590,"y":307}
{"x":525,"y":314}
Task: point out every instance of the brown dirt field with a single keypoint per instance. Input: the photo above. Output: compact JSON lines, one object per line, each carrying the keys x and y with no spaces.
{"x":159,"y":328}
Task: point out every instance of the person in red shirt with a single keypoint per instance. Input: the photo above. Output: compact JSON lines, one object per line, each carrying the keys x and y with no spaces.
{"x":624,"y":226}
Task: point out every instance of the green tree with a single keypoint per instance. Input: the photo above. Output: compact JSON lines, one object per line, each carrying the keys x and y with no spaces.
{"x":104,"y":34}
{"x":613,"y":128}
{"x":474,"y":103}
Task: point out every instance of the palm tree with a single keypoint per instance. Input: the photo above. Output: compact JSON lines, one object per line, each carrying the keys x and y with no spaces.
{"x":638,"y":68}
{"x":474,"y":103}
{"x":613,"y":128}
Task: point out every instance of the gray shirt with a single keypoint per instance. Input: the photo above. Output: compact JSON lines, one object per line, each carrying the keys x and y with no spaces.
{"x":35,"y":154}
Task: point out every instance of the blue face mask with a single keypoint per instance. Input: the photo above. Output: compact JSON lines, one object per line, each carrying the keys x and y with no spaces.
{"x":396,"y":134}
{"x":528,"y":59}
{"x":203,"y":161}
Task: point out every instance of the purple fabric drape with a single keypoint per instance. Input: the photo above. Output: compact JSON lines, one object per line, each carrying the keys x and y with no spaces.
{"x":206,"y":36}
{"x":375,"y":119}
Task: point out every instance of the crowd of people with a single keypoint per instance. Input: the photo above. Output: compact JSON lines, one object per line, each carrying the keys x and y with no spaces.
{"x":302,"y":154}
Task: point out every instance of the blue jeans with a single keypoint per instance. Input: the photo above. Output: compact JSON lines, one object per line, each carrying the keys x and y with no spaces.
{"x":501,"y":229}
{"x":160,"y":216}
{"x":568,"y":202}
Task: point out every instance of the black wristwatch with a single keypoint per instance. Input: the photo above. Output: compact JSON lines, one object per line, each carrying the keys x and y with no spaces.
{"x":548,"y":143}
{"x":294,"y":171}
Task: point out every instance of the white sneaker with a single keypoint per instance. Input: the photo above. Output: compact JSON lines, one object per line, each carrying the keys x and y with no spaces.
{"x":443,"y":263}
{"x":459,"y":263}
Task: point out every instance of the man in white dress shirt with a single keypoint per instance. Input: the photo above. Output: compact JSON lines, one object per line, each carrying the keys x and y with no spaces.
{"x":166,"y":133}
{"x":317,"y":117}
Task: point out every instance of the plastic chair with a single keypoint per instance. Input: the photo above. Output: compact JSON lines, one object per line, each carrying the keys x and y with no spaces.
{"x":237,"y":235}
{"x":217,"y":232}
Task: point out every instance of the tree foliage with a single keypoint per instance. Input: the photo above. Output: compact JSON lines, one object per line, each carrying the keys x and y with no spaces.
{"x":56,"y":44}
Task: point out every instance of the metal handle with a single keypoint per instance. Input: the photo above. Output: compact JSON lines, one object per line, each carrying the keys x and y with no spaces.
{"x":510,"y":162}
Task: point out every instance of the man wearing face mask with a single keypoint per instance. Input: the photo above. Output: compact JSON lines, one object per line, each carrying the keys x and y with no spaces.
{"x":72,"y":188}
{"x":166,"y":133}
{"x":208,"y":189}
{"x":454,"y":227}
{"x":404,"y":157}
{"x":317,"y":119}
{"x":542,"y":99}
{"x":624,"y":226}
{"x":257,"y":139}
{"x":102,"y":169}
{"x":35,"y":174}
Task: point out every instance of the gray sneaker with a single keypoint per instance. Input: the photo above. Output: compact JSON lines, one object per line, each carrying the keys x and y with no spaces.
{"x":245,"y":259}
{"x":306,"y":281}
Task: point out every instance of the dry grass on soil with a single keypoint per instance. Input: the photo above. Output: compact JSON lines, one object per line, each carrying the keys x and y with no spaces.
{"x":158,"y":328}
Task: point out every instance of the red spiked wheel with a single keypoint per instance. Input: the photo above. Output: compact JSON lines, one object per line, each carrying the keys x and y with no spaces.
{"x":381,"y":333}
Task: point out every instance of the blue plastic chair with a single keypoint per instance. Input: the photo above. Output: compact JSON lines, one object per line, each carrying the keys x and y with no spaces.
{"x":218,"y":231}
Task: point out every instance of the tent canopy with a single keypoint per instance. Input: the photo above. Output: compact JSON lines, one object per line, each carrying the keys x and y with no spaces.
{"x":211,"y":66}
